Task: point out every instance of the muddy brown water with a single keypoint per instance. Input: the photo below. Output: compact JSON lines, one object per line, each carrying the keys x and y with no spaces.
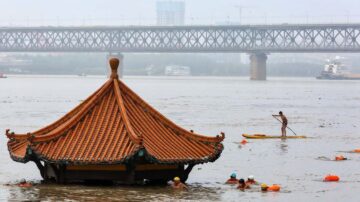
{"x":328,"y":111}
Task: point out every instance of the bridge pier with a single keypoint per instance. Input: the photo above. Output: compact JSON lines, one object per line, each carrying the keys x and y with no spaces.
{"x":258,"y":66}
{"x":121,"y":65}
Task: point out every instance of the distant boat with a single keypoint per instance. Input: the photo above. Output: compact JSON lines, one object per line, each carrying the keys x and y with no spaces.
{"x":176,"y":70}
{"x":2,"y":76}
{"x":335,"y":70}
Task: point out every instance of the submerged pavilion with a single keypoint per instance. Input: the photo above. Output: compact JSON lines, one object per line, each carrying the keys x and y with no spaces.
{"x":114,"y":135}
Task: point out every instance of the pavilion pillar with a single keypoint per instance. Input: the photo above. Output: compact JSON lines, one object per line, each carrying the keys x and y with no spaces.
{"x":187,"y":172}
{"x":61,"y":174}
{"x":41,"y":168}
{"x":258,"y":66}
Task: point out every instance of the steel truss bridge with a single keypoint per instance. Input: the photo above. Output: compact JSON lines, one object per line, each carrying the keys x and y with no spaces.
{"x":257,"y":38}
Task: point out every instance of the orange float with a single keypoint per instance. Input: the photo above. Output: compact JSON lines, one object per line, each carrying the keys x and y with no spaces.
{"x":331,"y":178}
{"x":244,"y":141}
{"x":274,"y":187}
{"x":357,"y":150}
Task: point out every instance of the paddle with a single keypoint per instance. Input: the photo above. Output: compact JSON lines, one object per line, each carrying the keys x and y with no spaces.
{"x":286,"y":126}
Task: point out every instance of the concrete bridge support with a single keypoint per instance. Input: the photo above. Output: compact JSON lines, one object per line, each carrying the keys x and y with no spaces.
{"x":258,"y":66}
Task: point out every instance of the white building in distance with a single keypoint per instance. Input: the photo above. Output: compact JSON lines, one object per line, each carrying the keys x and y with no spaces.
{"x":170,"y":12}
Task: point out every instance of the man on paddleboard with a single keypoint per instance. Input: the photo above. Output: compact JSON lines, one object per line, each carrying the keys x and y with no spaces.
{"x":284,"y":123}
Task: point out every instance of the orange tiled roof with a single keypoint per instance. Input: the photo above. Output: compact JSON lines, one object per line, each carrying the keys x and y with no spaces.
{"x":111,"y":126}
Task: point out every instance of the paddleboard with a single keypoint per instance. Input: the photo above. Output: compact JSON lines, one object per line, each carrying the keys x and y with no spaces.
{"x":263,"y":136}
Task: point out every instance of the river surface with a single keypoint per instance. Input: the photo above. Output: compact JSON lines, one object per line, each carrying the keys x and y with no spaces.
{"x":327,"y":111}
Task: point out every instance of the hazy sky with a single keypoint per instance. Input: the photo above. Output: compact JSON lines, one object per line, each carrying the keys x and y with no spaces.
{"x":118,"y":12}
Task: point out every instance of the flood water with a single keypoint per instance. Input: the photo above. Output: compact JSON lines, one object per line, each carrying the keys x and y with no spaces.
{"x":327,"y":111}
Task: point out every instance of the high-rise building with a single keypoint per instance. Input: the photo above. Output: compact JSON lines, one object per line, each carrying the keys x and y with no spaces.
{"x":170,"y":12}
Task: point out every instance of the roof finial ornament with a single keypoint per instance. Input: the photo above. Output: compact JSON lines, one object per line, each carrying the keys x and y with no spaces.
{"x":114,"y":64}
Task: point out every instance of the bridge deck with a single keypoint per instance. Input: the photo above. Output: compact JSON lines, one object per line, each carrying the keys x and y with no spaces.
{"x":244,"y":38}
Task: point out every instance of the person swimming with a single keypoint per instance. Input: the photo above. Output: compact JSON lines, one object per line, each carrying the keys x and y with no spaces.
{"x":177,"y":184}
{"x":340,"y":158}
{"x":232,"y":179}
{"x":242,"y":185}
{"x":251,"y":180}
{"x":264,"y":187}
{"x":23,"y":183}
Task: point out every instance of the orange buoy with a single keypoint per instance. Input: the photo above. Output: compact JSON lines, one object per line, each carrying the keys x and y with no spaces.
{"x":274,"y":187}
{"x":357,"y":150}
{"x":331,"y":178}
{"x":244,"y":141}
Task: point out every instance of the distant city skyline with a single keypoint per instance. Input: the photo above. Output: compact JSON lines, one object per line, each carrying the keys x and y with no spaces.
{"x":143,"y":12}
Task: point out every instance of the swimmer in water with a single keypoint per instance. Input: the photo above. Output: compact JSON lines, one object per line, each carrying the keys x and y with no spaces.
{"x":23,"y":183}
{"x":177,"y":184}
{"x":232,"y":179}
{"x":340,"y":158}
{"x":242,"y":185}
{"x":251,"y":180}
{"x":264,"y":187}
